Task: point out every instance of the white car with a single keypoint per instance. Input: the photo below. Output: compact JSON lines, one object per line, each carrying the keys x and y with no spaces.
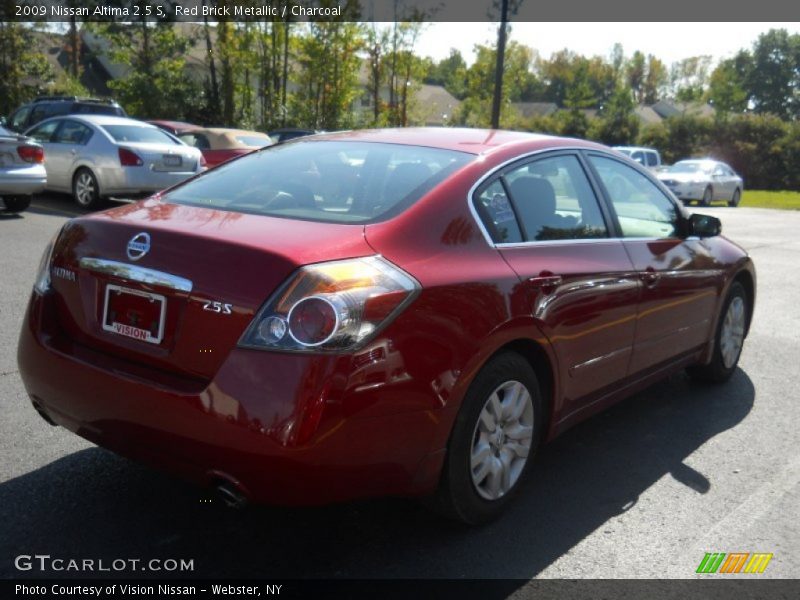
{"x":647,"y":157}
{"x":22,"y":172}
{"x":94,"y":157}
{"x":704,"y":180}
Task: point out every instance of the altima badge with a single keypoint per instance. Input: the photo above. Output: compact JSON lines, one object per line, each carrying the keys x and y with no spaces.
{"x":139,"y":246}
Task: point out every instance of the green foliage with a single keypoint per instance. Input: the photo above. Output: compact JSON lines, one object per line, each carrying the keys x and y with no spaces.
{"x":616,"y":124}
{"x":764,"y":149}
{"x":24,"y":72}
{"x":156,"y":83}
{"x":450,"y":73}
{"x":774,"y":79}
{"x":328,"y":75}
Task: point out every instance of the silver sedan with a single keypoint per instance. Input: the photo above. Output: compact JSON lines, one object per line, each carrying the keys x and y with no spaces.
{"x":96,"y":156}
{"x":703,"y":180}
{"x":22,"y":171}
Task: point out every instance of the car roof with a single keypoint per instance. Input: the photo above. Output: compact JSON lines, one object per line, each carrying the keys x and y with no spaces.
{"x":473,"y":141}
{"x":104,"y":120}
{"x":643,"y":148}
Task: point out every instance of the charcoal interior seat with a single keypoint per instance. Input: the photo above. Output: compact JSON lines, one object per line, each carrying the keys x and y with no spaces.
{"x":535,"y":200}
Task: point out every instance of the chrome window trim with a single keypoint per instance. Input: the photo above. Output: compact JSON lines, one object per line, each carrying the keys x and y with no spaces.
{"x":136,"y":273}
{"x":511,"y":245}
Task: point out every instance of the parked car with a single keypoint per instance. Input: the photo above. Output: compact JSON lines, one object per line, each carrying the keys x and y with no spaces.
{"x":704,"y":180}
{"x":647,"y":157}
{"x":419,"y":329}
{"x":219,"y":144}
{"x":97,"y":157}
{"x":173,"y":127}
{"x":289,"y":133}
{"x":45,"y":107}
{"x":22,"y":172}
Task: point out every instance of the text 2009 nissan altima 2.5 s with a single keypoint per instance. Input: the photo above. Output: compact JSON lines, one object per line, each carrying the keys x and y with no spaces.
{"x":406,"y":312}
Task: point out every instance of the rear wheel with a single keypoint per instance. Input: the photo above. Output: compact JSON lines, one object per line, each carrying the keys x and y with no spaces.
{"x":85,"y":190}
{"x":708,"y":194}
{"x":728,"y":340}
{"x":493,"y":441}
{"x":737,"y":196}
{"x":16,"y":204}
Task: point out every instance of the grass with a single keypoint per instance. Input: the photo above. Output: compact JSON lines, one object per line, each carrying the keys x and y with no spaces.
{"x":763,"y":199}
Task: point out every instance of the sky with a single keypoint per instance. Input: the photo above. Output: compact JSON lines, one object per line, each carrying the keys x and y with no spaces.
{"x":670,"y":42}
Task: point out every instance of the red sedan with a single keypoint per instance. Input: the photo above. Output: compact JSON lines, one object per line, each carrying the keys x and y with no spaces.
{"x":407,"y":312}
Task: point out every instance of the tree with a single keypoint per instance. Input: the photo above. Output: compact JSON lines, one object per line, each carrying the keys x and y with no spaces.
{"x":451,"y":73}
{"x":635,"y":73}
{"x":23,"y":71}
{"x":328,"y":71}
{"x":727,"y":90}
{"x":689,"y":77}
{"x":616,"y":124}
{"x":774,"y":81}
{"x":655,"y":82}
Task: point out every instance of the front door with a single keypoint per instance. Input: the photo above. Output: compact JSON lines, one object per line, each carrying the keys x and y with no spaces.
{"x":680,"y":278}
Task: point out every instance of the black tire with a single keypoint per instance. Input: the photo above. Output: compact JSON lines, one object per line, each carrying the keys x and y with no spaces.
{"x":736,"y":198}
{"x":85,"y":190}
{"x":458,"y":497}
{"x":708,"y":194}
{"x":719,"y":369}
{"x":16,"y":204}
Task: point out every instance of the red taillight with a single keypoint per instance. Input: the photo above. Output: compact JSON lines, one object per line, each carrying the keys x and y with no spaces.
{"x":128,"y":158}
{"x":312,"y":321}
{"x":337,"y":305}
{"x":31,"y":154}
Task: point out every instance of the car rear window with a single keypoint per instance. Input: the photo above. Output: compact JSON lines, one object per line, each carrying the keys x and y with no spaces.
{"x":136,"y":133}
{"x":326,"y":181}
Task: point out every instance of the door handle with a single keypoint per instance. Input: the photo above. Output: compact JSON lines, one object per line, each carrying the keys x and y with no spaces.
{"x":545,"y":281}
{"x":73,"y":151}
{"x":650,"y":277}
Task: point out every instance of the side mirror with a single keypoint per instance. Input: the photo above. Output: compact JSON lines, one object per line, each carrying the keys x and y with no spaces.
{"x":704,"y":226}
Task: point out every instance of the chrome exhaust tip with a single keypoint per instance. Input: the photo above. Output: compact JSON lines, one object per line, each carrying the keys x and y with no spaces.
{"x":230,"y":495}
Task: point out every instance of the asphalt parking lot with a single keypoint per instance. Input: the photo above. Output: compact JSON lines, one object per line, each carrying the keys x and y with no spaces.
{"x":641,"y":491}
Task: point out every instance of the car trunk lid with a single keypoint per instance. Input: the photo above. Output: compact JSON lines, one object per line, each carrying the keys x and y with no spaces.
{"x":175,"y":286}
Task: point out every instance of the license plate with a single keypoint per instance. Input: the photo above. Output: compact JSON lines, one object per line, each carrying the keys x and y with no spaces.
{"x":134,"y":314}
{"x":170,"y":160}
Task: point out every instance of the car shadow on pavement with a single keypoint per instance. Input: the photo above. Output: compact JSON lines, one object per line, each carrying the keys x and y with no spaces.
{"x":93,"y":504}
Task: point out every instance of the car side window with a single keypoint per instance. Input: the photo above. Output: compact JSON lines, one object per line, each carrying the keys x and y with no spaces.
{"x":638,"y":156}
{"x":642,"y":209}
{"x":652,"y":159}
{"x":554,"y":200}
{"x":44,"y":132}
{"x":196,"y":140}
{"x":497,"y":214}
{"x":72,"y":132}
{"x":19,"y":118}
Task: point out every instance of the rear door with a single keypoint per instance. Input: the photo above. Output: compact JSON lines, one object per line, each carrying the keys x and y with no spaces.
{"x":581,"y":286}
{"x":680,"y":277}
{"x":44,"y":133}
{"x":66,"y":148}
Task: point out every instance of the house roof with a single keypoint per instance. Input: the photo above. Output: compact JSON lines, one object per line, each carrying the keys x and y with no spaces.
{"x":535,"y":109}
{"x":647,"y":115}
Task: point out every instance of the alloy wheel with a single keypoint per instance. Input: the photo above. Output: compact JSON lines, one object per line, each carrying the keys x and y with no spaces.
{"x":732,"y":335}
{"x":501,"y":440}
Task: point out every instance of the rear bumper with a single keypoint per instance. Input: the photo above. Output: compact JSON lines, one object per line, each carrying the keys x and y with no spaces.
{"x":138,"y":181}
{"x":285,"y":427}
{"x":23,"y":181}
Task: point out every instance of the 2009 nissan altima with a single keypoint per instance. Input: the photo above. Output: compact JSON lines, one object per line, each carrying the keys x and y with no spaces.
{"x":392,"y":312}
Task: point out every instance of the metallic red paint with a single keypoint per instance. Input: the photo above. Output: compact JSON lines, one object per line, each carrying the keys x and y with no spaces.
{"x":314,"y":428}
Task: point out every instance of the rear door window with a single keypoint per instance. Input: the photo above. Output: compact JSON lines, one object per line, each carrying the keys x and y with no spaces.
{"x":554,"y":200}
{"x":72,"y":132}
